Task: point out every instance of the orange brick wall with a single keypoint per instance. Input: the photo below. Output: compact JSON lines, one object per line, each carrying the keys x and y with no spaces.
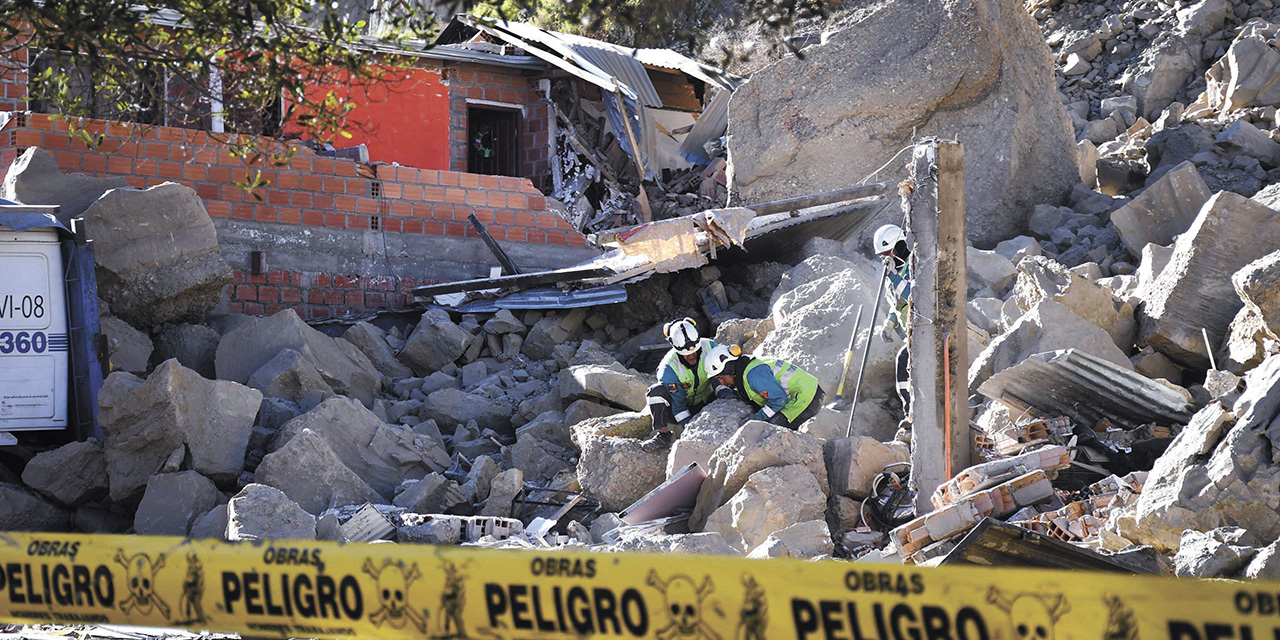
{"x":308,"y":191}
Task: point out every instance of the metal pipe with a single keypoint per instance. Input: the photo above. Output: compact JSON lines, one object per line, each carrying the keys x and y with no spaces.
{"x":848,"y":355}
{"x":866,"y":350}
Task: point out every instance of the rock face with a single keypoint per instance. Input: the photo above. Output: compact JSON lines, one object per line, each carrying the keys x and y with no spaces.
{"x":757,"y":445}
{"x":1163,"y":210}
{"x":617,"y":472}
{"x":308,"y":471}
{"x":260,"y":512}
{"x":34,"y":178}
{"x":172,"y":502}
{"x":1194,"y":290}
{"x":146,"y":421}
{"x":157,"y":255}
{"x":256,"y":341}
{"x":975,"y":69}
{"x":382,"y":455}
{"x":70,"y":475}
{"x":771,"y":499}
{"x":1048,"y":326}
{"x":1219,"y":471}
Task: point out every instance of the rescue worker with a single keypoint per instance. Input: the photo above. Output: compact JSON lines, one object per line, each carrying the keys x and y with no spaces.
{"x":784,"y":394}
{"x":683,"y":386}
{"x":891,"y":245}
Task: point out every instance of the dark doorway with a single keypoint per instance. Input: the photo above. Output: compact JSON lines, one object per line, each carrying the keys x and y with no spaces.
{"x":493,"y":137}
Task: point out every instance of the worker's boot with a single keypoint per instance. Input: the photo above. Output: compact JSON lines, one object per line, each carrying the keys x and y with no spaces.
{"x":657,"y":442}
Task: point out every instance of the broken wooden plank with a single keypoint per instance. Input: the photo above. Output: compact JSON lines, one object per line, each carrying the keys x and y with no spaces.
{"x":571,"y":274}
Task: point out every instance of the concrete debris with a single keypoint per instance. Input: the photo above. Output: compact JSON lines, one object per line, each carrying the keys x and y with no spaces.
{"x":859,"y":97}
{"x":1194,"y":291}
{"x":146,"y":420}
{"x":256,"y":341}
{"x":149,"y":278}
{"x":1089,"y":390}
{"x":173,"y":501}
{"x":260,"y":512}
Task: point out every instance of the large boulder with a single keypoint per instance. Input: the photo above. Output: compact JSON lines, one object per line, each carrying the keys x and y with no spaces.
{"x":290,"y":376}
{"x":383,"y":455}
{"x":172,"y":502}
{"x":372,"y":342}
{"x":70,"y":475}
{"x":809,"y":539}
{"x":34,"y":178}
{"x":617,"y":472}
{"x":157,"y":255}
{"x":614,"y":383}
{"x":1048,"y":326}
{"x":710,"y":428}
{"x":451,"y":407}
{"x":1040,"y":278}
{"x":194,"y":345}
{"x":1163,"y":210}
{"x":974,"y":69}
{"x":813,"y":322}
{"x":1247,"y":76}
{"x":260,"y":512}
{"x":434,"y":343}
{"x":1219,"y":471}
{"x":128,"y":348}
{"x":21,"y":510}
{"x":1194,"y":291}
{"x":145,"y":421}
{"x":309,"y":471}
{"x":853,"y":463}
{"x":1258,"y":285}
{"x":757,"y":445}
{"x":256,"y":341}
{"x":770,"y":500}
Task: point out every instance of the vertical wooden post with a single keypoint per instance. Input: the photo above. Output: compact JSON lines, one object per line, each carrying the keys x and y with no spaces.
{"x":646,"y":213}
{"x":939,"y":329}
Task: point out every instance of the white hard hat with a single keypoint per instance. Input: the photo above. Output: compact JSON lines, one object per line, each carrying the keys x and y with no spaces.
{"x":719,"y":358}
{"x":683,"y":336}
{"x":888,"y":236}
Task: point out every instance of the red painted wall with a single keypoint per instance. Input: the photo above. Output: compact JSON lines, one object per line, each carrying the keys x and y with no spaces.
{"x":407,"y":122}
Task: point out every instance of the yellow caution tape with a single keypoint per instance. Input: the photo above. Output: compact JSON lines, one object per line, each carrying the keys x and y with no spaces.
{"x":327,"y":590}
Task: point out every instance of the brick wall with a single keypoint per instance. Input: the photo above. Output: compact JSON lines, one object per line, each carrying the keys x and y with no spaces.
{"x":308,"y":191}
{"x":510,"y":87}
{"x":13,"y":80}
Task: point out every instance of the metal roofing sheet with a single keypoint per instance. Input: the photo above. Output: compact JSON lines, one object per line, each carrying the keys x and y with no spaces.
{"x":712,"y":124}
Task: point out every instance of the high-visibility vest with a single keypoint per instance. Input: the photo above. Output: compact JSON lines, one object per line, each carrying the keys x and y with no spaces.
{"x":693,"y":381}
{"x":801,"y":385}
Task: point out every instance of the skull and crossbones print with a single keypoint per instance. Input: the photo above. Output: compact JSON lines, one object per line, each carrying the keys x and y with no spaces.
{"x":1032,"y":616}
{"x":140,"y":575}
{"x":683,"y":601}
{"x":393,"y":595}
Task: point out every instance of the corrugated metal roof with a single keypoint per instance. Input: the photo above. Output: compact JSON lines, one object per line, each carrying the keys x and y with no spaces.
{"x":625,"y":68}
{"x":668,"y":59}
{"x":712,"y":124}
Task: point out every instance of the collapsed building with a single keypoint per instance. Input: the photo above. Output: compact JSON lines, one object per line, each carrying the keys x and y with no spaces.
{"x":1121,"y":352}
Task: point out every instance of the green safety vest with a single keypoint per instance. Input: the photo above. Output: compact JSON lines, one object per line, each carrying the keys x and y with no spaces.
{"x":801,"y":385}
{"x":697,"y":388}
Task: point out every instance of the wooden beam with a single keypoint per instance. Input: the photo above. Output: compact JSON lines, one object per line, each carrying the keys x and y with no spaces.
{"x":818,"y":199}
{"x":938,"y":328}
{"x":646,"y":212}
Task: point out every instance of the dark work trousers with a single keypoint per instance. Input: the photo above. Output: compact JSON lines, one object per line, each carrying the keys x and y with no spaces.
{"x":659,"y":400}
{"x":904,"y":382}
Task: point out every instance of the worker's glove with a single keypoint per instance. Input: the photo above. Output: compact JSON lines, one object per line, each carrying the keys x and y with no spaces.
{"x":888,"y":330}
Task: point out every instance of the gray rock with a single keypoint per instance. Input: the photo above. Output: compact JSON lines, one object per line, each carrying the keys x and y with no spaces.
{"x":829,"y":119}
{"x":450,"y":407}
{"x":1164,"y":210}
{"x":416,"y":528}
{"x":757,"y":445}
{"x":580,"y":410}
{"x":617,"y":472}
{"x":502,"y":492}
{"x":1040,"y":278}
{"x":1220,"y":553}
{"x":290,"y":376}
{"x":710,"y":428}
{"x":989,"y":270}
{"x":432,"y":494}
{"x":504,"y":322}
{"x":810,"y":539}
{"x":172,"y":502}
{"x":615,"y":384}
{"x":1244,"y":138}
{"x":853,"y":463}
{"x":372,"y":342}
{"x":1048,"y":326}
{"x":552,"y":331}
{"x":473,"y":373}
{"x":1246,"y":76}
{"x":1015,"y":249}
{"x":260,"y":512}
{"x":382,"y":455}
{"x":194,"y":345}
{"x":771,"y":499}
{"x":255,"y":341}
{"x":434,"y":343}
{"x":211,"y":525}
{"x":22,"y":510}
{"x":1194,"y":291}
{"x":1265,"y":564}
{"x":34,"y":178}
{"x":70,"y":475}
{"x":146,"y":421}
{"x":479,"y":479}
{"x":128,"y":348}
{"x":543,"y":448}
{"x":308,"y":470}
{"x":157,"y":255}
